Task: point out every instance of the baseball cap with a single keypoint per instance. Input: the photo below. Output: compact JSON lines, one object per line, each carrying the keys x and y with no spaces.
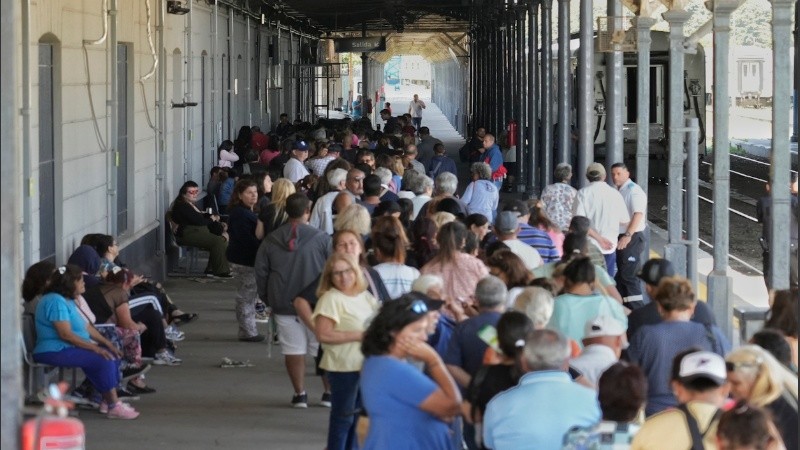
{"x":300,"y":145}
{"x":595,"y":170}
{"x":517,"y":206}
{"x":603,"y":325}
{"x":335,"y":148}
{"x":703,"y":364}
{"x":506,"y":222}
{"x":655,"y":269}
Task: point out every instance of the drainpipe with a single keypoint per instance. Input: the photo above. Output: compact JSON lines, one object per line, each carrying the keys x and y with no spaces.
{"x":232,"y":130}
{"x":112,"y":142}
{"x":216,"y":132}
{"x":189,"y":155}
{"x":162,"y":182}
{"x":25,"y":112}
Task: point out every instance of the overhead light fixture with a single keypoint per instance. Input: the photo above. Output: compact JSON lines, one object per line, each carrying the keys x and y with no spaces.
{"x":176,"y":7}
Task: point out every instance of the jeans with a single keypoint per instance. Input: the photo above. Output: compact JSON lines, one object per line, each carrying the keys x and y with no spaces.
{"x":628,"y":263}
{"x":417,"y":121}
{"x":345,"y":406}
{"x":246,"y":300}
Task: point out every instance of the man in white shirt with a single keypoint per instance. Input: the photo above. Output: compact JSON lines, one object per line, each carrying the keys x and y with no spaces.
{"x":631,"y":237}
{"x":603,"y":341}
{"x":294,"y":170}
{"x":415,"y":109}
{"x":507,"y":227}
{"x":322,"y":214}
{"x":605,"y":207}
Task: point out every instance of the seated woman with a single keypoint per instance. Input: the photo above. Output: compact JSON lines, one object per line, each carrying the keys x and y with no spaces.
{"x":64,"y":339}
{"x":108,"y":249}
{"x":407,"y":409}
{"x":198,"y":229}
{"x":34,"y":284}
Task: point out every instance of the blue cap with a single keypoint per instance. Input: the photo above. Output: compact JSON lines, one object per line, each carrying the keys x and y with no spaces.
{"x":300,"y":145}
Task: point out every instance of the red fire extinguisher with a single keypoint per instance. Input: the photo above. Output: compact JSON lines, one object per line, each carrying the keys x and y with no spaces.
{"x":512,"y":133}
{"x":52,"y":429}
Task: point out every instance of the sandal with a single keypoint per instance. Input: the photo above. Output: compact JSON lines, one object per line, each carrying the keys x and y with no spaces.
{"x":183,"y":319}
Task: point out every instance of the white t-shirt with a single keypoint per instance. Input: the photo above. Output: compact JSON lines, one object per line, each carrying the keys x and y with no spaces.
{"x":604,"y":206}
{"x":528,"y":254}
{"x":416,"y":108}
{"x":294,"y":170}
{"x":397,"y":278}
{"x":636,"y":201}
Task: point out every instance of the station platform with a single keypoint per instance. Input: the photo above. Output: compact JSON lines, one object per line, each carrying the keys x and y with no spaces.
{"x":201,"y":405}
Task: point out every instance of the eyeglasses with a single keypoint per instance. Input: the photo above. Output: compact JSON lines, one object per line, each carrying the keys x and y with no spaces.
{"x":340,"y":273}
{"x":734,"y":366}
{"x":193,"y":191}
{"x":418,"y":306}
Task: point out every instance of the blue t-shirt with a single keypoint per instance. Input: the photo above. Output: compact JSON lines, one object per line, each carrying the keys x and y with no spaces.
{"x":55,"y":308}
{"x":392,"y":391}
{"x":654,"y":347}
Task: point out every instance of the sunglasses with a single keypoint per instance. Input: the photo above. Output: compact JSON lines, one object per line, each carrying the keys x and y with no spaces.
{"x":193,"y":191}
{"x":418,"y":307}
{"x":734,"y":366}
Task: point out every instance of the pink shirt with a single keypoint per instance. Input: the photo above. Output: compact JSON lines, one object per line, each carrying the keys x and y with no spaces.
{"x":460,"y":276}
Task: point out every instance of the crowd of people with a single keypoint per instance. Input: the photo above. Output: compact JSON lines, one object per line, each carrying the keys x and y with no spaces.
{"x":445,"y":321}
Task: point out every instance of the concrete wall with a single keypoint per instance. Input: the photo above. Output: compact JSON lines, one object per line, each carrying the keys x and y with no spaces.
{"x":85,"y":186}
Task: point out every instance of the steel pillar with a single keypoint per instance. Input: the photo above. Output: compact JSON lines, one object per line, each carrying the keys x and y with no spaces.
{"x":364,"y":71}
{"x":564,"y":94}
{"x":692,"y":199}
{"x":643,"y":25}
{"x":675,"y":249}
{"x":585,"y":93}
{"x":522,"y":100}
{"x":614,"y":144}
{"x":547,"y":93}
{"x":719,"y":283}
{"x":533,"y":110}
{"x":780,"y":158}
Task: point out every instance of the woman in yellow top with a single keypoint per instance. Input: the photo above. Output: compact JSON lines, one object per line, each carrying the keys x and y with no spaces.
{"x":340,"y":318}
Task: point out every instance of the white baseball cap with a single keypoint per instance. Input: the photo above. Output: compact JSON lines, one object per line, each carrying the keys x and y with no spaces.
{"x":603,"y":325}
{"x":703,"y":364}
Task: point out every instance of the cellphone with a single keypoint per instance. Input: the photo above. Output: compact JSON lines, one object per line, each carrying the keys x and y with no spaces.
{"x":488,"y":334}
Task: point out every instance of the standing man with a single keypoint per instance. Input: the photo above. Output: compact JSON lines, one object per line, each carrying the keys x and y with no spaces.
{"x":294,"y":170}
{"x":415,"y":109}
{"x":606,"y":209}
{"x":410,"y":159}
{"x":545,"y":404}
{"x":631,"y":237}
{"x":426,"y":145}
{"x":490,"y":154}
{"x":288,"y":260}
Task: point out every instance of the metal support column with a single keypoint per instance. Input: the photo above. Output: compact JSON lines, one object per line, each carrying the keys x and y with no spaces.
{"x":719,"y":283}
{"x":547,"y":93}
{"x":675,"y":249}
{"x":523,"y":99}
{"x":586,"y":93}
{"x":614,"y":144}
{"x":796,"y":122}
{"x":533,"y":148}
{"x":780,"y":157}
{"x":564,"y":94}
{"x":692,"y":199}
{"x":643,"y":25}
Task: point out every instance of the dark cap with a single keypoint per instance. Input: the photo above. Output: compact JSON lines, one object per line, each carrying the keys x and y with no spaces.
{"x":655,"y":269}
{"x":335,"y":148}
{"x":300,"y":145}
{"x":517,"y":206}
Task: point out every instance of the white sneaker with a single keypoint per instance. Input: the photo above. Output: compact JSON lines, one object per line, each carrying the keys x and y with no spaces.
{"x":173,"y":334}
{"x":165,"y":358}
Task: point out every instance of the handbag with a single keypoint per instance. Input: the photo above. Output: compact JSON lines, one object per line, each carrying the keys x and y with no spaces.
{"x":216,"y":228}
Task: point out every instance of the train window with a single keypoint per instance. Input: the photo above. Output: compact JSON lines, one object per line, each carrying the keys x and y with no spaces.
{"x":47,"y":163}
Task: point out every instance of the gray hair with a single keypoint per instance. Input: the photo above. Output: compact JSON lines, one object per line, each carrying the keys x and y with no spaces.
{"x":384,"y":174}
{"x":536,"y":303}
{"x":446,"y":183}
{"x":336,"y":176}
{"x":422,"y":184}
{"x":546,"y":350}
{"x":563,"y":172}
{"x":355,"y":218}
{"x":483,"y":170}
{"x":410,"y":179}
{"x":491,"y":292}
{"x":425,"y":283}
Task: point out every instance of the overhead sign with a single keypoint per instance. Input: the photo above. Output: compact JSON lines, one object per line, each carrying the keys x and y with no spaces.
{"x":359,"y":44}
